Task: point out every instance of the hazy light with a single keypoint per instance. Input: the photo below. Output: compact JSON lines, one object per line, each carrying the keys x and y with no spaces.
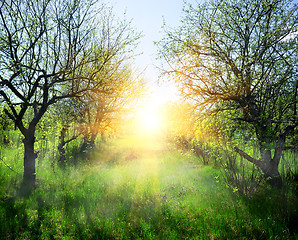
{"x":164,"y":93}
{"x":149,"y":119}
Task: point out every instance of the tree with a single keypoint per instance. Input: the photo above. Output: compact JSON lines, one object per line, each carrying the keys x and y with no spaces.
{"x":47,"y":53}
{"x":180,"y":123}
{"x":241,"y":56}
{"x":98,"y":111}
{"x":104,"y":110}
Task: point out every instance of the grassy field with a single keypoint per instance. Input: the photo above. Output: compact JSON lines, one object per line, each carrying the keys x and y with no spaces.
{"x":135,"y":188}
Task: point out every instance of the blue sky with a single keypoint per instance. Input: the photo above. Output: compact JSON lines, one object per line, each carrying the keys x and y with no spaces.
{"x":148,"y":16}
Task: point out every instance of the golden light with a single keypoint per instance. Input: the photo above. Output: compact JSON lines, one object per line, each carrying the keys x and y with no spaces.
{"x":148,"y":120}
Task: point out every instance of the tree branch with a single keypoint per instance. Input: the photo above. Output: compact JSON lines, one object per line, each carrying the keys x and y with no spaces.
{"x":247,"y":157}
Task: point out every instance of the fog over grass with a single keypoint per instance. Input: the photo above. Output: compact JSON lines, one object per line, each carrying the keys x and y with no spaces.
{"x":136,"y":188}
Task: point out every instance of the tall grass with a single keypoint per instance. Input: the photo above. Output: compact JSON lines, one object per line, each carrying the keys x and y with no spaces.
{"x":158,"y":194}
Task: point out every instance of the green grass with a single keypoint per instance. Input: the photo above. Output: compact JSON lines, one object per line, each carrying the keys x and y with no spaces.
{"x":160,"y":194}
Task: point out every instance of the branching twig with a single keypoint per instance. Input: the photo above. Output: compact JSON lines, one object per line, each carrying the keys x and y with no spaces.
{"x":7,"y":165}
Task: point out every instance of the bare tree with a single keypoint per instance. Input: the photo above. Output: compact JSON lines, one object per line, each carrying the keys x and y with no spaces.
{"x":241,"y":56}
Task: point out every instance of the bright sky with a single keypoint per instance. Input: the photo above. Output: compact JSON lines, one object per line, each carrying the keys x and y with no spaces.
{"x":148,"y":17}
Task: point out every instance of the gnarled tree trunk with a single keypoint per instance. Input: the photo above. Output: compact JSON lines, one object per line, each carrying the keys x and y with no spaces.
{"x":267,"y":163}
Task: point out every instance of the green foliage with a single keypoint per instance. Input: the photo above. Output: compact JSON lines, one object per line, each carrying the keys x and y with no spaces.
{"x":133,"y":188}
{"x":239,"y":57}
{"x":5,"y":122}
{"x":58,"y":50}
{"x":160,"y":194}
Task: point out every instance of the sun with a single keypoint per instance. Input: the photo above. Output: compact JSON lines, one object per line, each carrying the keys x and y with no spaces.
{"x":149,"y":120}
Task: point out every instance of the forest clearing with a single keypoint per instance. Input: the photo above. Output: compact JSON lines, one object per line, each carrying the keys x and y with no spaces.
{"x":95,"y":146}
{"x":156,"y":195}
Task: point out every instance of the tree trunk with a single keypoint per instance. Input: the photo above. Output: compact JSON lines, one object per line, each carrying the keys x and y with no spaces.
{"x":29,"y":176}
{"x":267,"y":164}
{"x":102,"y":134}
{"x":200,"y":153}
{"x":61,"y":145}
{"x":92,"y":139}
{"x":88,"y":143}
{"x":269,"y":167}
{"x":84,"y":145}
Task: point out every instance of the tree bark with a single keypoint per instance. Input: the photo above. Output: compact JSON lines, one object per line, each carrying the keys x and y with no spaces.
{"x":61,"y":145}
{"x":88,"y":143}
{"x":29,"y":176}
{"x":267,"y":164}
{"x":92,"y":139}
{"x":270,"y":167}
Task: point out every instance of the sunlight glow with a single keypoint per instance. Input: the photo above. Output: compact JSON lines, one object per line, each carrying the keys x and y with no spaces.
{"x":164,"y":93}
{"x":149,"y":118}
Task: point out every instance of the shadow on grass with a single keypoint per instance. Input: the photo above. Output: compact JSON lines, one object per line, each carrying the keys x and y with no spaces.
{"x":278,"y":209}
{"x":159,"y":196}
{"x":19,"y":221}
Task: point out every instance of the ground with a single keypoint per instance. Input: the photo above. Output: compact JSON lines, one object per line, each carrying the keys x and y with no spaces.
{"x":137,"y":188}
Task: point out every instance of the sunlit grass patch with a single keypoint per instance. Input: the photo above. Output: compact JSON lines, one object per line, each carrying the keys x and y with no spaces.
{"x":157,"y":195}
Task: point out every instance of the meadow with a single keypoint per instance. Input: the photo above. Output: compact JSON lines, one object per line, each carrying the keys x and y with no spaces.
{"x":198,"y":143}
{"x":137,"y":188}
